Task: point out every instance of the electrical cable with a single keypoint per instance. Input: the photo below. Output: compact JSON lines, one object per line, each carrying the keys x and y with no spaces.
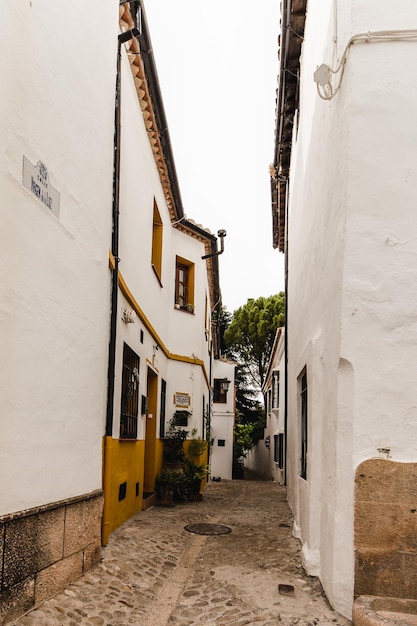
{"x":370,"y":37}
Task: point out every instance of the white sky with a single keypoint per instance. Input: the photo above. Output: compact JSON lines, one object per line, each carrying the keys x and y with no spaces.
{"x":217,"y":65}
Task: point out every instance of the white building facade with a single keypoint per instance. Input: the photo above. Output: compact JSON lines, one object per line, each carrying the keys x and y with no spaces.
{"x":165,"y":286}
{"x":107,"y":294}
{"x":344,"y":190}
{"x":267,"y":457}
{"x":54,"y":290}
{"x":222,"y":419}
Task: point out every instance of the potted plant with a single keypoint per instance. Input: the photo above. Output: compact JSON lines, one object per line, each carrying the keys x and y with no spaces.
{"x":167,"y":484}
{"x":174,"y":443}
{"x":187,"y":307}
{"x":196,"y":447}
{"x":195,"y":474}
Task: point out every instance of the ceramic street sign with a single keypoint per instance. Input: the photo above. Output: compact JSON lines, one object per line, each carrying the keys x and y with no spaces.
{"x":36,"y":180}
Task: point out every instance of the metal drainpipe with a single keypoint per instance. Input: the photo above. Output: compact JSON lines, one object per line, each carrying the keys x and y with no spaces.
{"x":287,"y":17}
{"x":115,"y":251}
{"x":208,"y":425}
{"x":286,"y":335}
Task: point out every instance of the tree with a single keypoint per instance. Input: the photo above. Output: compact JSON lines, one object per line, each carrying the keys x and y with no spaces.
{"x":223,"y":322}
{"x":249,"y":338}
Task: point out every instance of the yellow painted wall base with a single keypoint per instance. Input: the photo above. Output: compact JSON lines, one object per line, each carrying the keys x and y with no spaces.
{"x":123,"y":476}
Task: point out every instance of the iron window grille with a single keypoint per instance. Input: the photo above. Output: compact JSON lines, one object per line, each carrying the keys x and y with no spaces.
{"x":130,"y":394}
{"x":275,"y":390}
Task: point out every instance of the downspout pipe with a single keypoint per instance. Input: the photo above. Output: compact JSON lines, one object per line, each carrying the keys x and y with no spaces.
{"x":114,"y":250}
{"x":286,"y":337}
{"x":286,"y":20}
{"x":122,"y":38}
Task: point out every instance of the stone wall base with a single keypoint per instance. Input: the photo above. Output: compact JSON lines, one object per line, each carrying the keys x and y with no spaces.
{"x":42,"y":550}
{"x":386,"y":529}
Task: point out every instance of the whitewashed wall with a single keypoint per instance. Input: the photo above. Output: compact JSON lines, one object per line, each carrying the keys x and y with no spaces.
{"x":181,"y":333}
{"x":352,"y":302}
{"x":222,"y":424}
{"x":260,"y":458}
{"x":57,"y":66}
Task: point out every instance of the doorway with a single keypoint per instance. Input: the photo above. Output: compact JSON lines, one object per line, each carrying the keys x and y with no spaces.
{"x":150,"y":432}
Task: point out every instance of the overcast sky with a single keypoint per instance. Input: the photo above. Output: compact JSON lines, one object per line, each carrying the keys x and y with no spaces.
{"x":217,"y":65}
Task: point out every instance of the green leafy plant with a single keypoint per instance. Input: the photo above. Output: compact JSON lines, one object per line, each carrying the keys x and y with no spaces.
{"x":195,"y":471}
{"x":196,"y":446}
{"x":170,"y":476}
{"x":174,"y":443}
{"x":180,"y":418}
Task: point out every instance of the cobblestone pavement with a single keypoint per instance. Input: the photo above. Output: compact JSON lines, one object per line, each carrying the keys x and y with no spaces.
{"x":155,"y":573}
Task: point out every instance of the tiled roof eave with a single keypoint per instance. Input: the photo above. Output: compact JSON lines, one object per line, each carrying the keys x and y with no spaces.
{"x":147,"y":87}
{"x":143,"y":89}
{"x":290,"y":43}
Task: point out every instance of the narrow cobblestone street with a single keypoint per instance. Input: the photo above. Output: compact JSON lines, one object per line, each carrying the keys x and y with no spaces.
{"x":154,"y":572}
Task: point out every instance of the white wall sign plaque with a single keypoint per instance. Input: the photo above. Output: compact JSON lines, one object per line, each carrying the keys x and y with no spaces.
{"x":36,"y":180}
{"x":182,"y":399}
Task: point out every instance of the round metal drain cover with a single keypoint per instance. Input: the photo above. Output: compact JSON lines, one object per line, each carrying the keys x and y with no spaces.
{"x":208,"y":529}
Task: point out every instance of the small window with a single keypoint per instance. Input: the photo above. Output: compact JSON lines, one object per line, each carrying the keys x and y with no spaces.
{"x":275,"y":390}
{"x":302,"y":381}
{"x":157,"y":231}
{"x":279,"y":450}
{"x":184,"y":285}
{"x":130,"y":394}
{"x":276,"y":450}
{"x":219,"y":391}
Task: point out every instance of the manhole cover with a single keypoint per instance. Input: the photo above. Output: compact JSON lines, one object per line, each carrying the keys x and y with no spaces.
{"x":208,"y":529}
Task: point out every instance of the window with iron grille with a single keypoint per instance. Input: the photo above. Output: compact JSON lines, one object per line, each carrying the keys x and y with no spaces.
{"x":281,"y":450}
{"x":162,"y":409}
{"x":302,"y":381}
{"x":275,"y":390}
{"x":276,"y":448}
{"x":130,"y":394}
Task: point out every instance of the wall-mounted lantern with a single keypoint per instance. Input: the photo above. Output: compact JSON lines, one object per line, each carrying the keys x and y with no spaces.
{"x":225,"y":384}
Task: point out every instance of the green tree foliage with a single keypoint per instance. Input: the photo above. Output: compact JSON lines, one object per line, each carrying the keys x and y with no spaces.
{"x":247,"y":337}
{"x":224,"y":319}
{"x":248,"y":407}
{"x":250,"y":335}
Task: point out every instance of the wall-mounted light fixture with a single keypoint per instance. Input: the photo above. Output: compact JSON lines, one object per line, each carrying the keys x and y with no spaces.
{"x":225,"y":384}
{"x":221,"y":234}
